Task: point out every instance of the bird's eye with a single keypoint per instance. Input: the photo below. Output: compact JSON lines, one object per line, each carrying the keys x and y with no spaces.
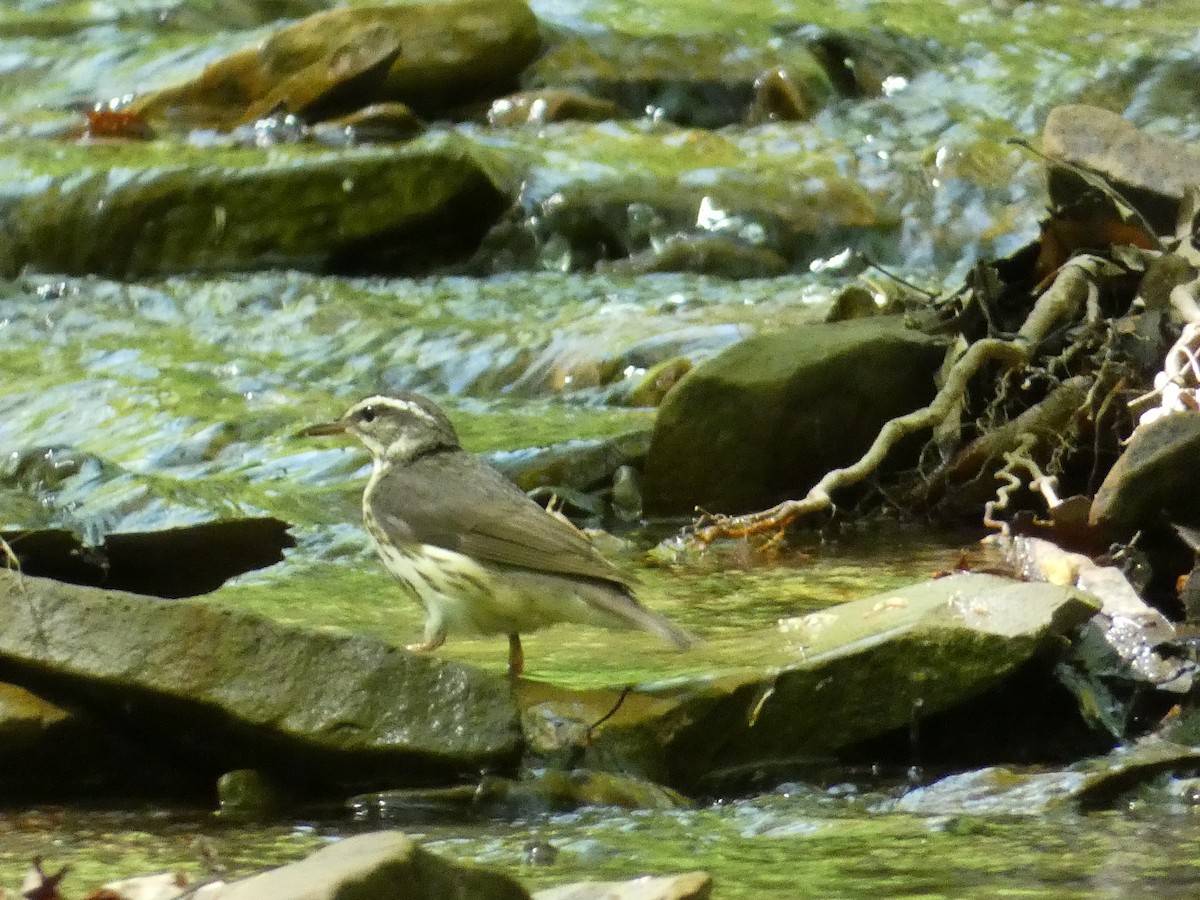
{"x":368,"y":414}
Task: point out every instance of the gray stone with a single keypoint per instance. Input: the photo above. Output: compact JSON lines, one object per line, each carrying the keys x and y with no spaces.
{"x":688,"y":886}
{"x":1155,"y":476}
{"x":1151,"y":170}
{"x":1097,"y":782}
{"x":374,"y":866}
{"x":820,"y":683}
{"x":765,"y":419}
{"x":238,"y":690}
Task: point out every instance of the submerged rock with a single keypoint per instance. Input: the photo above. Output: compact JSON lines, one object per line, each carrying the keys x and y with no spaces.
{"x":375,"y":124}
{"x":704,"y":80}
{"x":706,"y":254}
{"x":248,"y":795}
{"x":540,"y":107}
{"x":536,"y":793}
{"x":765,"y":419}
{"x":1091,"y":783}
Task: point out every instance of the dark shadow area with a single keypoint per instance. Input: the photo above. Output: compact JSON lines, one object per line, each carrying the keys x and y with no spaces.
{"x":1030,"y":718}
{"x":172,"y":563}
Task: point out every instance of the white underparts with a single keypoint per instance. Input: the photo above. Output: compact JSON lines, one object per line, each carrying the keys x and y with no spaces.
{"x":464,"y":596}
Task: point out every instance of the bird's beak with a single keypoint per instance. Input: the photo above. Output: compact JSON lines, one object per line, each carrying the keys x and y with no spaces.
{"x":325,"y":428}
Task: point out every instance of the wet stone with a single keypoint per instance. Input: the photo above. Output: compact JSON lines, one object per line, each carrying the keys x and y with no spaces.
{"x":1153,"y":479}
{"x":431,"y":56}
{"x":1091,"y":783}
{"x":816,"y":689}
{"x":1151,"y":170}
{"x":537,"y":793}
{"x":765,"y":419}
{"x":377,"y":864}
{"x":225,"y":689}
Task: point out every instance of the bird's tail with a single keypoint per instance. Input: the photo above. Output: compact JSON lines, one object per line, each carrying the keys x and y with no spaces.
{"x":665,"y":629}
{"x":621,"y":603}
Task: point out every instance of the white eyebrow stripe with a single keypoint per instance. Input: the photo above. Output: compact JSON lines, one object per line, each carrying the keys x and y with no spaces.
{"x":403,"y":405}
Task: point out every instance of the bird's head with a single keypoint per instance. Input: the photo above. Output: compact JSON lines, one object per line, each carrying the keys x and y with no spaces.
{"x":395,"y":429}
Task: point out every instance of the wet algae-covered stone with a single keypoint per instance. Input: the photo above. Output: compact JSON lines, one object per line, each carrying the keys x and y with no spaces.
{"x":764,"y":420}
{"x":427,"y":55}
{"x":851,"y":673}
{"x":228,"y":689}
{"x":401,"y":209}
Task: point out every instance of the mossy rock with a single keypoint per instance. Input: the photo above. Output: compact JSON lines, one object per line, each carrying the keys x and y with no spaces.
{"x":764,"y":420}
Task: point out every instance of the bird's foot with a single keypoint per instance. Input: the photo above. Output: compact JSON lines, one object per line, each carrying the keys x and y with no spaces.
{"x":516,"y":656}
{"x":431,"y":642}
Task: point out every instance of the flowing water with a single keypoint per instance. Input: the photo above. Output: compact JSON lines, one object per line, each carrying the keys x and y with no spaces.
{"x":133,"y":406}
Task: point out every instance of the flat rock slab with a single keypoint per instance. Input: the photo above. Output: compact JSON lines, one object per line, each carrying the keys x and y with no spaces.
{"x":232,"y":690}
{"x":373,"y":866}
{"x":853,"y":672}
{"x":138,"y":214}
{"x":688,"y":886}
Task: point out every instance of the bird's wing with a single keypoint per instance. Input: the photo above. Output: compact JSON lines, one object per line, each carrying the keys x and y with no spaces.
{"x":479,"y":512}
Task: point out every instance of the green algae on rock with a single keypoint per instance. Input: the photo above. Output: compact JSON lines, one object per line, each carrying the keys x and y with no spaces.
{"x":231,"y":689}
{"x":402,"y":209}
{"x":934,"y":645}
{"x":768,"y":417}
{"x":429,"y":56}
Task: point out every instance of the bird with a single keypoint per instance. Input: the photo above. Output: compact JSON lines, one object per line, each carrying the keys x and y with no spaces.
{"x":479,"y":555}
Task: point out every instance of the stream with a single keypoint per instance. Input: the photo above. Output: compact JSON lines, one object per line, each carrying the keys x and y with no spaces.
{"x":161,"y":400}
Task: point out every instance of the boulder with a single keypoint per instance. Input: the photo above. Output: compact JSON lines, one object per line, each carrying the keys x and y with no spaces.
{"x":1151,"y":170}
{"x":401,"y":209}
{"x":1154,"y":479}
{"x":765,"y":419}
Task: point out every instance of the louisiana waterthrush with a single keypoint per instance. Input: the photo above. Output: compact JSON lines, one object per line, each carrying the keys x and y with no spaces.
{"x":480,"y":556}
